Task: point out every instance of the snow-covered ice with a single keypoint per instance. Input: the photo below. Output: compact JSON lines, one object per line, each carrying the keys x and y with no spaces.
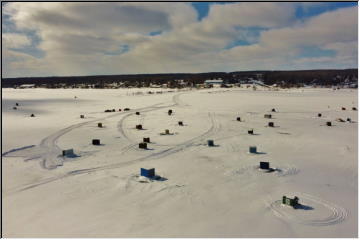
{"x":202,"y":191}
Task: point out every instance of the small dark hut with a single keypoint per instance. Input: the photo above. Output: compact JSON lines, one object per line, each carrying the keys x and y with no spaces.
{"x":267,"y":116}
{"x":143,"y":145}
{"x":149,"y":173}
{"x":290,"y":202}
{"x":265,"y":165}
{"x":252,"y":149}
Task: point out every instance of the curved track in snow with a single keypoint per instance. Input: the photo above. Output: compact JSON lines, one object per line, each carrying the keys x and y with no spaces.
{"x":213,"y":129}
{"x":336,"y":214}
{"x":120,"y":124}
{"x":49,"y":143}
{"x":48,"y":150}
{"x":279,"y":171}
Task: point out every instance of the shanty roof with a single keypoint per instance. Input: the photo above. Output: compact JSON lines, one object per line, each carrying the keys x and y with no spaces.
{"x":214,"y":81}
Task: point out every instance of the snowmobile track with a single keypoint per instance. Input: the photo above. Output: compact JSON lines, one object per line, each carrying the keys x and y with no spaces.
{"x":337,"y":214}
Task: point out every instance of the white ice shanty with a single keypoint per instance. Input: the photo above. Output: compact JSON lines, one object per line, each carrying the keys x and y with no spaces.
{"x":23,"y":86}
{"x":215,"y":82}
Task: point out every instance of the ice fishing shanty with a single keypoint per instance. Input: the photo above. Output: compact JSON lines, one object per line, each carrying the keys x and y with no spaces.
{"x":167,"y":132}
{"x":139,"y":126}
{"x":149,"y":173}
{"x":181,"y":123}
{"x":328,"y":124}
{"x":251,"y":131}
{"x":293,"y":202}
{"x":68,"y":152}
{"x":267,"y":116}
{"x":273,"y":110}
{"x":271,"y":124}
{"x":82,"y":116}
{"x":210,"y":143}
{"x":170,"y":112}
{"x":100,"y":125}
{"x":96,"y":141}
{"x":238,"y":119}
{"x":143,"y":145}
{"x":32,"y":115}
{"x":354,"y":108}
{"x":146,"y":140}
{"x":252,"y":149}
{"x":264,"y":165}
{"x":319,"y":114}
{"x":137,"y":113}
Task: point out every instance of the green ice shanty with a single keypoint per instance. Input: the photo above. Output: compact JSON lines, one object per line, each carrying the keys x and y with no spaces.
{"x":290,"y":202}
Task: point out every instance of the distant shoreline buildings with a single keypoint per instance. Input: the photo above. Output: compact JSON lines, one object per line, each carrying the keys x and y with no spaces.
{"x":346,"y":78}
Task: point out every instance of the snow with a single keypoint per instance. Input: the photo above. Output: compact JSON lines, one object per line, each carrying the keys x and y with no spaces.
{"x":202,"y":191}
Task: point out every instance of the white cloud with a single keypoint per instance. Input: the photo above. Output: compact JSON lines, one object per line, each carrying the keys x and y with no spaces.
{"x":265,"y":14}
{"x":15,"y":40}
{"x":335,"y":30}
{"x":95,"y":26}
{"x":99,"y":17}
{"x":77,"y":37}
{"x":336,"y":26}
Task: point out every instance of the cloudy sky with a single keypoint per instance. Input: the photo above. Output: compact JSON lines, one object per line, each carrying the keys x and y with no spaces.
{"x":90,"y":38}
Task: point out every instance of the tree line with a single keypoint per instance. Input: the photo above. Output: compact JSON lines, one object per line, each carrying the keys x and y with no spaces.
{"x":319,"y":77}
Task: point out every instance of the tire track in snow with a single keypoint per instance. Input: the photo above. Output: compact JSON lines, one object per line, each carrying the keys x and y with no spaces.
{"x":253,"y":170}
{"x":215,"y":127}
{"x":120,"y":124}
{"x":337,"y":214}
{"x":16,"y":149}
{"x":48,"y":150}
{"x":178,"y":102}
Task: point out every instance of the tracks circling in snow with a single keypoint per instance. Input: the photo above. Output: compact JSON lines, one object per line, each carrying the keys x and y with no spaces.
{"x":337,"y":214}
{"x":215,"y":127}
{"x":48,"y":150}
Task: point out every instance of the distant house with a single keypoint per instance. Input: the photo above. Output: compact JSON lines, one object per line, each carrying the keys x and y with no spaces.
{"x":214,"y":82}
{"x":27,"y":86}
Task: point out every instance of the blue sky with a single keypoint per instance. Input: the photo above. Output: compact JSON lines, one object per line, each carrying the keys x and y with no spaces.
{"x":122,"y":38}
{"x":203,"y":8}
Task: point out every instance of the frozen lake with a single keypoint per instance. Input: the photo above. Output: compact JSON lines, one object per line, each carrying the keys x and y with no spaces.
{"x":204,"y":191}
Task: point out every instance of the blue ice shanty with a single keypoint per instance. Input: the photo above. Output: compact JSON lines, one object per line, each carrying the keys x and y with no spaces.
{"x":147,"y":172}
